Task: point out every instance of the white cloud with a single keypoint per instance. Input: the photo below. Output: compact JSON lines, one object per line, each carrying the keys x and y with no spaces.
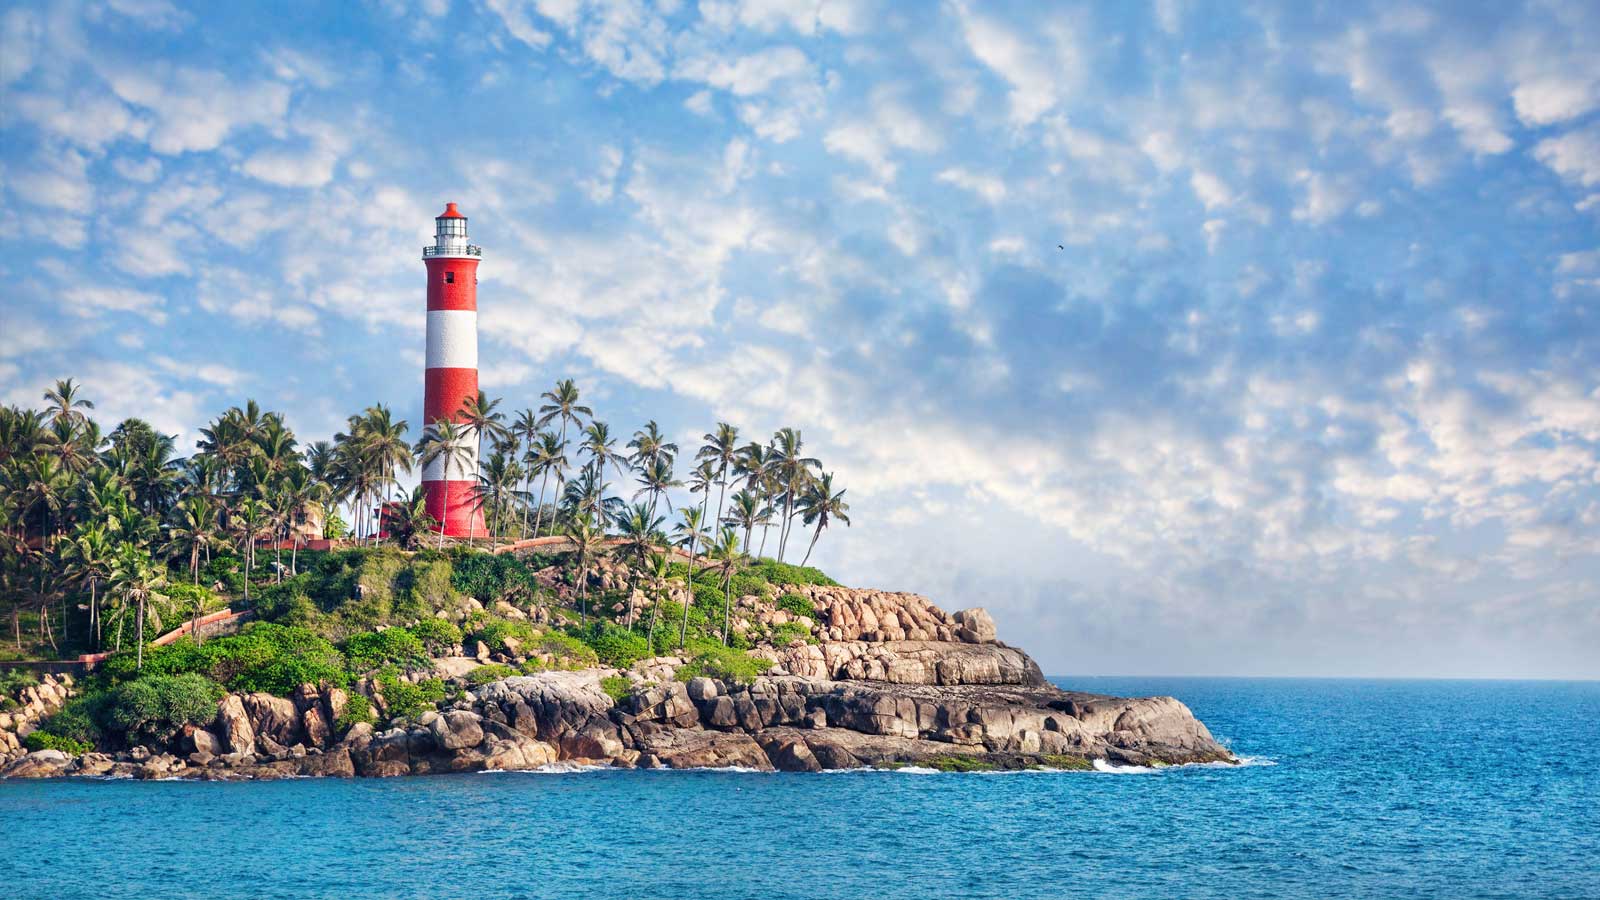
{"x":196,"y":109}
{"x":89,"y":300}
{"x":1574,"y":156}
{"x":989,"y":187}
{"x":1553,"y":99}
{"x":1037,"y":73}
{"x":746,"y":75}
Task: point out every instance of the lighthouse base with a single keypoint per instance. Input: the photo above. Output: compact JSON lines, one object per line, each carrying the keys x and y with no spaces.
{"x":455,"y":504}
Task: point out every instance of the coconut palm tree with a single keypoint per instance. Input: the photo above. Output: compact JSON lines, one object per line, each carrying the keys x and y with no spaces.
{"x":139,"y":584}
{"x":690,"y":532}
{"x":729,"y":559}
{"x":660,"y":569}
{"x":67,"y":403}
{"x":721,"y":449}
{"x":496,"y":489}
{"x":549,"y":457}
{"x":193,"y":530}
{"x":444,"y":443}
{"x":793,"y":471}
{"x":526,"y":430}
{"x":249,"y":519}
{"x":656,"y":477}
{"x":746,"y":510}
{"x":562,"y":403}
{"x":600,"y":446}
{"x":649,"y":445}
{"x":407,"y":521}
{"x":588,"y":545}
{"x":820,"y":506}
{"x":641,"y":533}
{"x":90,"y":555}
{"x":483,"y":422}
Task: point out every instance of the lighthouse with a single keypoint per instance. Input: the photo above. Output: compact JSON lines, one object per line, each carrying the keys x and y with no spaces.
{"x":452,"y":376}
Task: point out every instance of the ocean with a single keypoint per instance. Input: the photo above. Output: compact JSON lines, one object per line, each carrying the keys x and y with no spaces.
{"x":1369,"y":789}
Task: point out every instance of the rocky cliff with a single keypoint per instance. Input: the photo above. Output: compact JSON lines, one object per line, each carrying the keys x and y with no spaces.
{"x":885,"y":679}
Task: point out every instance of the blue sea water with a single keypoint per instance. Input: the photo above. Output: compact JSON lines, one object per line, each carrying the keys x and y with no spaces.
{"x":1370,"y":789}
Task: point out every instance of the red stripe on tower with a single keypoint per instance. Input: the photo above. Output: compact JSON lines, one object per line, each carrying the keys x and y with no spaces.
{"x":452,"y":368}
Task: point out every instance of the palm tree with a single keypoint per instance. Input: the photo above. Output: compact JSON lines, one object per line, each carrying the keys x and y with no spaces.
{"x":406,"y":521}
{"x":526,"y":430}
{"x":248,"y":520}
{"x":302,"y":491}
{"x":193,"y":531}
{"x":820,"y":506}
{"x":549,"y":457}
{"x":139,"y":584}
{"x":793,"y":472}
{"x":660,"y":568}
{"x":746,"y":511}
{"x":725,"y":550}
{"x":700,"y":482}
{"x":691,"y":531}
{"x":562,"y":403}
{"x":600,"y":446}
{"x":656,"y":476}
{"x":482,"y":421}
{"x":721,"y":449}
{"x":587,"y":546}
{"x":641,"y":533}
{"x":649,"y":445}
{"x":66,"y":402}
{"x":496,"y":489}
{"x":91,"y":554}
{"x":445,"y":444}
{"x":386,"y":442}
{"x":586,"y":495}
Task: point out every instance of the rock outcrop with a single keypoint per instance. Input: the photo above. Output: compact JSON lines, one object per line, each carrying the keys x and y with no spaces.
{"x":888,"y":678}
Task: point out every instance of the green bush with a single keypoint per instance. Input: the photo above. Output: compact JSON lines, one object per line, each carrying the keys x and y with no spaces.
{"x":774,"y":572}
{"x":374,"y":649}
{"x":156,"y":706}
{"x":405,"y":700}
{"x":12,"y":681}
{"x":225,"y":569}
{"x":40,"y":740}
{"x":439,"y":637}
{"x":189,"y":596}
{"x":264,"y":657}
{"x":489,"y":673}
{"x":789,"y":632}
{"x":357,"y":709}
{"x":489,"y":577}
{"x":798,"y":605}
{"x":612,"y":644}
{"x":616,"y":687}
{"x":726,"y":664}
{"x":429,"y":586}
{"x":570,"y":653}
{"x":493,"y":631}
{"x":78,"y":720}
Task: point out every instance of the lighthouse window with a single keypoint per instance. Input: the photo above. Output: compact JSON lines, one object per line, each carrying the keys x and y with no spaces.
{"x":449,"y":278}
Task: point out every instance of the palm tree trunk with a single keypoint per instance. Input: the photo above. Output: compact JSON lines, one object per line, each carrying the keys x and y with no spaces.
{"x":816,"y":534}
{"x":139,"y":664}
{"x":727,"y":604}
{"x":538,"y":512}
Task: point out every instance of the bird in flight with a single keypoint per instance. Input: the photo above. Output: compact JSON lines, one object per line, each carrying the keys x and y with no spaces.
{"x":1059,"y":247}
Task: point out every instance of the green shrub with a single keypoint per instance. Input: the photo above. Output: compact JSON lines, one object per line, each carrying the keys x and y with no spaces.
{"x":798,"y":605}
{"x":264,"y":657}
{"x":12,"y":681}
{"x":356,"y":710}
{"x":489,"y":673}
{"x":40,"y":740}
{"x":439,"y":637}
{"x":570,"y":653}
{"x":489,"y":577}
{"x":774,"y":572}
{"x":333,"y":527}
{"x":156,"y":706}
{"x":612,"y":644}
{"x":188,"y":596}
{"x":726,"y":664}
{"x":366,"y":652}
{"x":405,"y":700}
{"x":430,"y":586}
{"x":789,"y":632}
{"x":78,"y":720}
{"x":616,"y":687}
{"x":493,"y":631}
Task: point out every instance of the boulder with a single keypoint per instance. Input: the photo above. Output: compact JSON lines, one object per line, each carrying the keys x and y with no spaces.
{"x":701,"y":689}
{"x":457,"y":729}
{"x":977,"y":626}
{"x":272,"y":716}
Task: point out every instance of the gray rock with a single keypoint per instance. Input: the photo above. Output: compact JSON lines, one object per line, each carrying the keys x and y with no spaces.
{"x":701,"y":689}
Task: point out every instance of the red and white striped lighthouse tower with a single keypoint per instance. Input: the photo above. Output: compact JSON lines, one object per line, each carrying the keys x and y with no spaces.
{"x":452,"y":374}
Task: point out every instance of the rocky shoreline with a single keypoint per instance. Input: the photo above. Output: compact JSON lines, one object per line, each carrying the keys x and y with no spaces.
{"x":887,"y":680}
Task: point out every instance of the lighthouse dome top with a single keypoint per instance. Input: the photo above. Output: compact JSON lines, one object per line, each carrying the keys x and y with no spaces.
{"x":450,"y":235}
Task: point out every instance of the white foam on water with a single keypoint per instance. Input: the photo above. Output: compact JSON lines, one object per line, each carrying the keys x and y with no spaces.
{"x":1101,"y":765}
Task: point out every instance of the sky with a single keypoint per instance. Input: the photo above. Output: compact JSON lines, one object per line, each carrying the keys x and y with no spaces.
{"x":1233,"y":338}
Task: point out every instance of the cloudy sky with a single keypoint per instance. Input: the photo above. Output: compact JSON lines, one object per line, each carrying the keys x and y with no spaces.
{"x":1188,"y":340}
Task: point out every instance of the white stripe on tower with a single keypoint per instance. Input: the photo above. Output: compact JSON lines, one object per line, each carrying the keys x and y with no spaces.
{"x":452,"y":339}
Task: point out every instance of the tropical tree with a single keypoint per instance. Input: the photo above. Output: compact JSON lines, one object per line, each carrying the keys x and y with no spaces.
{"x":248,"y":519}
{"x":659,"y":567}
{"x":445,"y":444}
{"x":746,"y":510}
{"x":819,"y":506}
{"x":67,"y":403}
{"x":407,"y":521}
{"x":656,"y":477}
{"x":729,"y":558}
{"x":137,"y":583}
{"x":721,"y":450}
{"x":194,"y":529}
{"x":526,"y":431}
{"x":690,"y":532}
{"x":547,"y":456}
{"x":793,"y":471}
{"x":562,"y":403}
{"x":496,"y":490}
{"x":588,"y":545}
{"x":641,"y":533}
